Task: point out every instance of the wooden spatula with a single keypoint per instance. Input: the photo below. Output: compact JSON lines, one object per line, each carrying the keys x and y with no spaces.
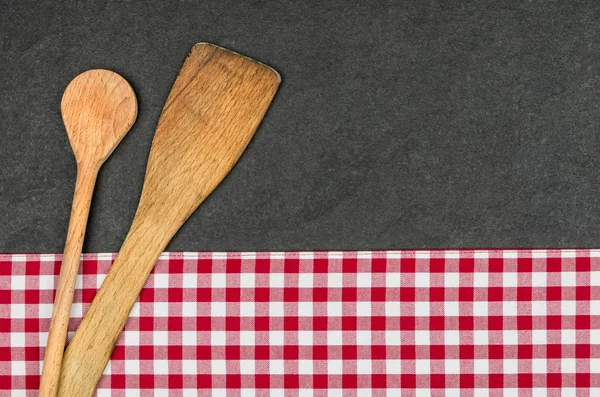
{"x":98,"y":108}
{"x":215,"y":105}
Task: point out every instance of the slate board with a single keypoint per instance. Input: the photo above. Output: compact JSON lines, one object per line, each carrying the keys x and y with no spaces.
{"x":416,"y":124}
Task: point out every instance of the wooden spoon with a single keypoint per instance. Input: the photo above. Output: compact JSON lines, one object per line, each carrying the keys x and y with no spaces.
{"x":215,"y":105}
{"x":98,"y":108}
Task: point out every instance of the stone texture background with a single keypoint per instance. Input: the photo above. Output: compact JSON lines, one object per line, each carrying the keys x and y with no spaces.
{"x":415,"y":124}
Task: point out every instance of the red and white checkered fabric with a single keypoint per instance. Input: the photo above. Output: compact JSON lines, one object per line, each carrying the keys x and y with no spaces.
{"x":402,"y":323}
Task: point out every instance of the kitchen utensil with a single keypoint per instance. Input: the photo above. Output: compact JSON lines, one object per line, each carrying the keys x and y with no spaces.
{"x":217,"y":102}
{"x":98,"y":108}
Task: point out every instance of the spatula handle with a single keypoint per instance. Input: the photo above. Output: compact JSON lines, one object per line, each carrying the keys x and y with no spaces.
{"x":84,"y":188}
{"x":93,"y":343}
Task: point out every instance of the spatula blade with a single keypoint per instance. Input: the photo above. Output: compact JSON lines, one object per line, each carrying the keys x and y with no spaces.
{"x":212,"y":112}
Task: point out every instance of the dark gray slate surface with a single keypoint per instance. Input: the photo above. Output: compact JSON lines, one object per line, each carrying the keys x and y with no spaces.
{"x":398,"y":125}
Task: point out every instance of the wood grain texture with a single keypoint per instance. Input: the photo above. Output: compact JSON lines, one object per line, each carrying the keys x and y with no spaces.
{"x":98,"y":107}
{"x":215,"y":106}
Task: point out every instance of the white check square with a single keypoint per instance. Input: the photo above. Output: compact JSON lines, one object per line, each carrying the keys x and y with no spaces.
{"x":218,"y":338}
{"x":595,"y":339}
{"x":305,"y":367}
{"x":334,"y":367}
{"x":568,"y":365}
{"x":247,"y":280}
{"x":218,"y":309}
{"x":334,"y":309}
{"x":161,"y":280}
{"x":334,"y":337}
{"x":538,"y":366}
{"x":421,"y":280}
{"x":451,"y":338}
{"x":422,"y":367}
{"x":77,"y":310}
{"x":393,"y":280}
{"x":510,"y":279}
{"x":132,"y":367}
{"x":190,"y":281}
{"x":17,"y":283}
{"x":480,"y":309}
{"x":568,"y":308}
{"x":247,"y":367}
{"x":46,"y":282}
{"x":510,"y":366}
{"x":161,"y":309}
{"x":363,"y":280}
{"x":363,"y":367}
{"x":392,"y":337}
{"x":17,"y":368}
{"x":509,"y":308}
{"x":481,"y":366}
{"x":188,"y":338}
{"x":422,"y":337}
{"x":218,"y":367}
{"x":132,"y":338}
{"x":510,"y":337}
{"x":305,"y":309}
{"x":161,"y":367}
{"x":539,"y":336}
{"x":305,"y":338}
{"x":276,"y":367}
{"x":17,"y":310}
{"x":305,"y":280}
{"x":421,"y":309}
{"x":247,"y":309}
{"x":160,"y":338}
{"x":363,"y":309}
{"x":539,"y":279}
{"x":393,"y":367}
{"x":451,"y":309}
{"x":276,"y":338}
{"x":451,"y":280}
{"x":335,"y":280}
{"x":538,"y":308}
{"x":480,"y":337}
{"x":568,"y":279}
{"x":480,"y":279}
{"x":451,"y":393}
{"x":276,"y":309}
{"x":189,"y":367}
{"x":452,"y":366}
{"x":392,"y":308}
{"x":218,"y":280}
{"x":569,"y":336}
{"x":276,"y":280}
{"x":188,"y":309}
{"x":363,"y":338}
{"x":247,"y":392}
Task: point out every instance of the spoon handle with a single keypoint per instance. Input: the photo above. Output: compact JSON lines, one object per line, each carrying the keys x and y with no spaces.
{"x":84,"y":188}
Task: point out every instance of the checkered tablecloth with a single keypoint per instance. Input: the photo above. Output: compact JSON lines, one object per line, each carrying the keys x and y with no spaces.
{"x":402,"y":323}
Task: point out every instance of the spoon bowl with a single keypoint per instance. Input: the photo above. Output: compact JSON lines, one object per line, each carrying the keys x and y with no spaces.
{"x":98,"y":109}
